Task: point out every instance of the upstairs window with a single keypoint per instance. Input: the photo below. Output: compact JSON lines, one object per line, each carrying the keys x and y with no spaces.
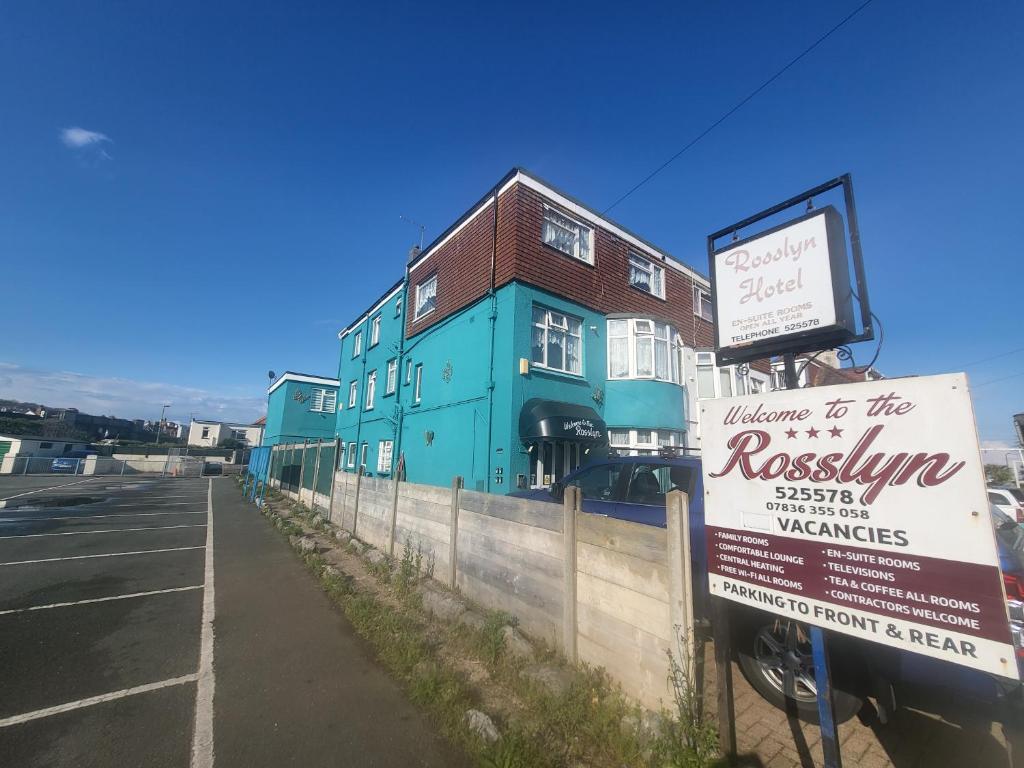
{"x":557,"y":342}
{"x":357,"y":344}
{"x":351,"y":454}
{"x":371,"y":389}
{"x":426,"y":297}
{"x":352,"y":394}
{"x":646,"y":275}
{"x":417,"y":392}
{"x":702,"y":304}
{"x":571,"y":237}
{"x":324,"y":400}
{"x":392,"y":379}
{"x":408,"y":370}
{"x":398,"y":307}
{"x":375,"y":331}
{"x":644,"y":349}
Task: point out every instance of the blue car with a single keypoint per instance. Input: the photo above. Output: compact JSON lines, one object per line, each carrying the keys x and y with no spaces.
{"x":64,"y":465}
{"x":769,"y":648}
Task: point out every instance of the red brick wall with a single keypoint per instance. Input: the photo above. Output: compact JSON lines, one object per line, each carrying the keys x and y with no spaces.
{"x":605,"y":285}
{"x":463,"y":265}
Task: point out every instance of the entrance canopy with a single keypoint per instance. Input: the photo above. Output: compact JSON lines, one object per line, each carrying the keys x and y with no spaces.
{"x":553,"y":420}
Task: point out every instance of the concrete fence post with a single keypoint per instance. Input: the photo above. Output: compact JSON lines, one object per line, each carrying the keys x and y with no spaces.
{"x":680,"y":580}
{"x":453,"y":535}
{"x":570,"y":507}
{"x":302,"y":467}
{"x":316,"y":473}
{"x":355,"y":506}
{"x":124,"y":463}
{"x":394,"y":515}
{"x":334,"y":478}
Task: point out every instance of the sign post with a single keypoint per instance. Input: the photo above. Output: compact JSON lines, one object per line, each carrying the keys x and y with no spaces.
{"x":859,"y":509}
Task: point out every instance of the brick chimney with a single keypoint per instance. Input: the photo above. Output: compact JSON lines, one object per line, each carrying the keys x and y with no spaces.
{"x":414,"y":252}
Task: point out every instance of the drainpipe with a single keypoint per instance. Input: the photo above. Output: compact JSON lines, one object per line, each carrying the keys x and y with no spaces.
{"x":396,"y":455}
{"x":493,"y":317}
{"x":360,"y":393}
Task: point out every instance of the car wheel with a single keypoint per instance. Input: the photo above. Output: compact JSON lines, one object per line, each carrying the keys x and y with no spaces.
{"x":770,"y":650}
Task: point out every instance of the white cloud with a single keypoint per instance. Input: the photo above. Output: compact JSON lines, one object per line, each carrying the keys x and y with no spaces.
{"x":76,"y":138}
{"x":125,"y":398}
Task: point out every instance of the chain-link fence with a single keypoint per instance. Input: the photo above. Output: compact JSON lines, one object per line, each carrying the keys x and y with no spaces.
{"x":158,"y":466}
{"x":304,"y":469}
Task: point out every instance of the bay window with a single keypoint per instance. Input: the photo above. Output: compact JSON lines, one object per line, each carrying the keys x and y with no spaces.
{"x":726,"y":381}
{"x":571,"y":237}
{"x":556,"y":341}
{"x":644,"y":349}
{"x":646,"y":275}
{"x":643,"y":442}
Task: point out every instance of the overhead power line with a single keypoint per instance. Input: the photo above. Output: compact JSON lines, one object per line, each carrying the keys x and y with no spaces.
{"x":994,"y":357}
{"x":738,"y":106}
{"x":996,"y":381}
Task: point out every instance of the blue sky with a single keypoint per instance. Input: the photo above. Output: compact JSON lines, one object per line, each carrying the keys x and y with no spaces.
{"x":252,"y":161}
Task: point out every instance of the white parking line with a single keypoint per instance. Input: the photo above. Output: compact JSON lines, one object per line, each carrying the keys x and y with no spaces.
{"x":92,"y":700}
{"x":109,"y":530}
{"x":50,"y":488}
{"x":99,"y":600}
{"x":93,"y":517}
{"x":202,"y":731}
{"x":110,"y":554}
{"x":155,"y":504}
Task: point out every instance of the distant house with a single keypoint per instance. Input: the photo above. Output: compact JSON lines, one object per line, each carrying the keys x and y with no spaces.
{"x":301,"y":407}
{"x":210,"y":434}
{"x":821,"y":371}
{"x":12,"y":447}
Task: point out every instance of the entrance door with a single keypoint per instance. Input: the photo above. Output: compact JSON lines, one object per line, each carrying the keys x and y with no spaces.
{"x":552,"y":460}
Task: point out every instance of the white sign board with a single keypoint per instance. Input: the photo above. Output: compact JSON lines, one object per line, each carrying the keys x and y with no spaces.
{"x":790,"y":281}
{"x":860,"y":508}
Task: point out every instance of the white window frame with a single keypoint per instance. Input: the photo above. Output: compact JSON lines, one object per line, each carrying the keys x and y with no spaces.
{"x":391,"y":381}
{"x":408,"y":371}
{"x":418,"y":314}
{"x":352,"y":448}
{"x":655,"y":272}
{"x":374,"y":332}
{"x":658,"y":332}
{"x":551,"y":324}
{"x":398,"y":307}
{"x":384,"y":451}
{"x":353,"y":393}
{"x":417,"y":391}
{"x":357,"y":344}
{"x":206,"y":433}
{"x":583,"y":234}
{"x":731,"y":373}
{"x":371,"y":390}
{"x":363,"y":450}
{"x":324,"y":400}
{"x":702,"y":299}
{"x":632,"y":445}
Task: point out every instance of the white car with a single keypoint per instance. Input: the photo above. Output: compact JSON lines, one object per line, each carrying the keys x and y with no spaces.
{"x":1009,"y":501}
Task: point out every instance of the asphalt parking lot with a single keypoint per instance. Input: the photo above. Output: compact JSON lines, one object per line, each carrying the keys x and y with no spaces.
{"x":101,"y":620}
{"x":117,"y":649}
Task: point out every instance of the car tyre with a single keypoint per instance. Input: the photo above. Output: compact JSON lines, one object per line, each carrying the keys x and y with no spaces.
{"x":767,"y":648}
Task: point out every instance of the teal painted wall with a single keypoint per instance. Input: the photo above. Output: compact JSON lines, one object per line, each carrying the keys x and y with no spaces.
{"x":645,"y":404}
{"x":446,"y":434}
{"x":289,"y":420}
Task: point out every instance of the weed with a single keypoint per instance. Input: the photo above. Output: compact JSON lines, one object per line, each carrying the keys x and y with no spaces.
{"x":689,"y":739}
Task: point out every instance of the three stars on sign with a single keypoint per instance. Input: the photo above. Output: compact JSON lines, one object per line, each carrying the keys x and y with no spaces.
{"x":812,"y":432}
